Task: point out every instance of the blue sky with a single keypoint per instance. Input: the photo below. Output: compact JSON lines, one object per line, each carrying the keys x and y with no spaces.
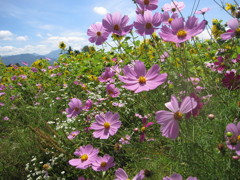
{"x":37,"y":26}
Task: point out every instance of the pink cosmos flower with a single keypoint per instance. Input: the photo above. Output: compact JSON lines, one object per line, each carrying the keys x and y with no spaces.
{"x":169,"y":120}
{"x":176,"y":176}
{"x":25,"y":63}
{"x":140,"y":10}
{"x":2,"y":93}
{"x":107,"y":75}
{"x":103,"y":163}
{"x":180,"y":32}
{"x":233,"y":137}
{"x":22,"y":76}
{"x":6,"y":118}
{"x":125,"y":140}
{"x":220,"y":64}
{"x":166,"y":19}
{"x":115,"y":23}
{"x":87,"y":154}
{"x":2,"y":87}
{"x":118,"y":104}
{"x":34,"y":69}
{"x":73,"y":134}
{"x":146,"y":24}
{"x":75,"y":107}
{"x":138,"y":80}
{"x":106,"y":125}
{"x":202,"y":11}
{"x":148,"y":4}
{"x":97,"y":33}
{"x":164,"y":56}
{"x":231,"y":81}
{"x":174,"y":6}
{"x":122,"y":175}
{"x":233,"y":31}
{"x":112,"y":90}
{"x":88,"y":105}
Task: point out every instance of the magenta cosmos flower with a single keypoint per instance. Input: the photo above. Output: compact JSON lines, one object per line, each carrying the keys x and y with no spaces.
{"x":169,"y":120}
{"x":146,"y":24}
{"x":138,"y":80}
{"x":233,"y":137}
{"x":176,"y":176}
{"x":148,"y":4}
{"x":106,"y":125}
{"x":195,"y":111}
{"x":112,"y":91}
{"x":231,"y":81}
{"x":98,"y":34}
{"x":87,"y":154}
{"x":233,"y":31}
{"x":75,"y":107}
{"x":122,"y":175}
{"x":174,"y":6}
{"x":115,"y":23}
{"x":73,"y":134}
{"x":103,"y":163}
{"x":144,"y":128}
{"x":180,"y":32}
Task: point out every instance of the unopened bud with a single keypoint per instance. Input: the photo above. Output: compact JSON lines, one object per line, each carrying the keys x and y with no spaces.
{"x":235,"y":157}
{"x":229,"y":134}
{"x":135,"y":129}
{"x":211,"y":116}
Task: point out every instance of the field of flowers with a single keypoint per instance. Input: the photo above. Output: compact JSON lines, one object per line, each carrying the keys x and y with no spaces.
{"x":159,"y":104}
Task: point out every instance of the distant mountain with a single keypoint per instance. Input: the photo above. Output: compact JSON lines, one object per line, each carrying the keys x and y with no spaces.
{"x":29,"y":58}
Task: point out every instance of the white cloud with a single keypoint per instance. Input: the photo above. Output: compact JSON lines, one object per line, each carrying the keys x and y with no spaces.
{"x":11,"y":50}
{"x":100,"y":10}
{"x":47,"y":27}
{"x":74,"y":39}
{"x":204,"y":35}
{"x":22,"y":38}
{"x":39,"y":35}
{"x":5,"y":35}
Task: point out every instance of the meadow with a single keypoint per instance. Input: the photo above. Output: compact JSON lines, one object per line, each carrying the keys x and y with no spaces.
{"x":159,"y":103}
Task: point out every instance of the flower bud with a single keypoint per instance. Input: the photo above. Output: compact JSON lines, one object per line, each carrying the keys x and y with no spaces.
{"x":229,"y":134}
{"x":135,"y":129}
{"x":211,"y":116}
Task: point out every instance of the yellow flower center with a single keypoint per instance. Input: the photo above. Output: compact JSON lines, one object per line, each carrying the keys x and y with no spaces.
{"x":181,"y":33}
{"x":116,"y":27}
{"x":110,"y":92}
{"x":237,"y":32}
{"x":143,"y":129}
{"x":99,"y":33}
{"x":170,"y":20}
{"x":146,"y":2}
{"x":142,"y":80}
{"x":76,"y":109}
{"x":106,"y":125}
{"x":238,"y":137}
{"x":178,"y":115}
{"x":103,"y":164}
{"x":84,"y":157}
{"x":148,"y":25}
